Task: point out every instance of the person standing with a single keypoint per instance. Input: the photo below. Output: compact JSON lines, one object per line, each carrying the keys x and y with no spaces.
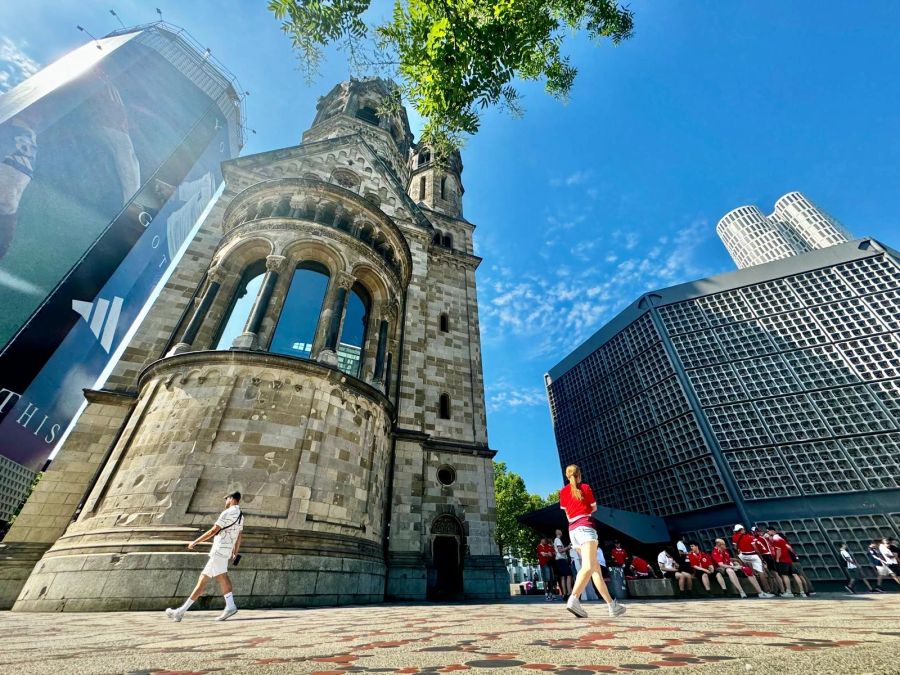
{"x":784,"y":563}
{"x":748,"y":554}
{"x":764,"y":548}
{"x":671,"y":569}
{"x":226,"y":536}
{"x":577,"y":501}
{"x":561,"y":565}
{"x":881,"y":568}
{"x":852,"y":569}
{"x":545,"y":558}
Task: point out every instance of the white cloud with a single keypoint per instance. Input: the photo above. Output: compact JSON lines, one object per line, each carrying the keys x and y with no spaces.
{"x":15,"y":64}
{"x":577,"y":178}
{"x":504,"y":396}
{"x":554,"y":312}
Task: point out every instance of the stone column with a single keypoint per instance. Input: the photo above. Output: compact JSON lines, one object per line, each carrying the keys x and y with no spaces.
{"x":342,"y":284}
{"x":249,"y":338}
{"x":381,"y":350}
{"x":214,"y":277}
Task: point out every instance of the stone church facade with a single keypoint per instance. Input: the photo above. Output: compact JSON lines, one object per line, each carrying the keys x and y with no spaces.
{"x":318,"y":349}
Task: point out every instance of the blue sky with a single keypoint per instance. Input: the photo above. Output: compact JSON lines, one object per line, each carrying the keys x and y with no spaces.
{"x":581,"y":207}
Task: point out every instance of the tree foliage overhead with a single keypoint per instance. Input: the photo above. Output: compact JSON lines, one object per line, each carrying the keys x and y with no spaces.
{"x":514,"y":500}
{"x":454,"y":58}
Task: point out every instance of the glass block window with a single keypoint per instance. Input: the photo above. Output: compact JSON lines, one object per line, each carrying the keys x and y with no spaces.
{"x":702,"y":484}
{"x":728,"y":307}
{"x":716,"y":385}
{"x":791,"y":418}
{"x":761,"y":473}
{"x":874,"y":358}
{"x":744,"y":340}
{"x":698,"y":349}
{"x":771,"y":297}
{"x":886,"y":307}
{"x":821,"y":467}
{"x":737,"y":426}
{"x":876,"y":457}
{"x":847,"y":320}
{"x":851,"y":410}
{"x":683,"y":317}
{"x":683,"y":438}
{"x":767,"y":376}
{"x":818,"y":287}
{"x":793,"y":330}
{"x":819,"y":367}
{"x":870,"y":275}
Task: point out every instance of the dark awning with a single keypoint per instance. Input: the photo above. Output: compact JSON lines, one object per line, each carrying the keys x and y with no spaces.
{"x":637,"y":526}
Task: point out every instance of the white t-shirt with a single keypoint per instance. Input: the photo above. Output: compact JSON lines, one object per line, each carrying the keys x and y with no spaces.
{"x":845,"y":554}
{"x":231,"y":522}
{"x":666,"y":562}
{"x":887,"y":554}
{"x":600,"y":557}
{"x":681,"y":546}
{"x":557,"y":544}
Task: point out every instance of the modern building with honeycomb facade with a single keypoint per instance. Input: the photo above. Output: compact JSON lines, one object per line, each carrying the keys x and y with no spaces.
{"x":766,"y":395}
{"x":316,"y":348}
{"x":795,"y":226}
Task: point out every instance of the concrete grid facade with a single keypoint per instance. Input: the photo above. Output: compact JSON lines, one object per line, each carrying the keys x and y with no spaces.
{"x":356,"y":488}
{"x":795,"y":226}
{"x":766,"y":395}
{"x":15,"y":482}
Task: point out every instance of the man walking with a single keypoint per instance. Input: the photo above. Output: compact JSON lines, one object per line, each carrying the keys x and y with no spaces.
{"x":226,"y":536}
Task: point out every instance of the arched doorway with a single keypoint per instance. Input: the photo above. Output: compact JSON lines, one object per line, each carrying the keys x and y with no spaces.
{"x":447,"y":558}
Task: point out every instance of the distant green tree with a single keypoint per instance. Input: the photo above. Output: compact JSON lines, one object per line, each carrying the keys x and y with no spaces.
{"x":454,"y":58}
{"x":513,"y":500}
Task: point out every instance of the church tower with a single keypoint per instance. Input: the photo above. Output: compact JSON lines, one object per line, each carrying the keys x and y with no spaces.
{"x":316,"y":348}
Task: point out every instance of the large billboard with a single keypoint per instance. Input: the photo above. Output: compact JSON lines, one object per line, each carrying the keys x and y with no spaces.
{"x":102,"y":176}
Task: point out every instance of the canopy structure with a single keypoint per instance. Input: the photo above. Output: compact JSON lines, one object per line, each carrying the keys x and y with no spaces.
{"x":613,"y":523}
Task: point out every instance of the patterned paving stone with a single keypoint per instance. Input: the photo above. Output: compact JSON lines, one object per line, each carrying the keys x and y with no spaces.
{"x":838,"y":634}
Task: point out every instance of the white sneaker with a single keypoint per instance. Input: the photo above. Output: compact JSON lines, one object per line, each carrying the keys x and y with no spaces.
{"x":174,"y":614}
{"x":787,"y":595}
{"x":574,"y":606}
{"x":765,"y":595}
{"x":803,"y":595}
{"x":743,"y":595}
{"x":615,"y":609}
{"x":229,"y":612}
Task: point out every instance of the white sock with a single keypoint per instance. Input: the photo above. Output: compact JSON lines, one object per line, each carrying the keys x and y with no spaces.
{"x":229,"y":601}
{"x":186,"y":605}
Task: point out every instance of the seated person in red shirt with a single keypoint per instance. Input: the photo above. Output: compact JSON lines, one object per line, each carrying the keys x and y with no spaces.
{"x":702,"y":565}
{"x":725,"y":565}
{"x":640,"y":568}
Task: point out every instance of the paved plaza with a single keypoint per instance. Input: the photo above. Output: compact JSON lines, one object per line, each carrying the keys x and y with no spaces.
{"x":826,"y":634}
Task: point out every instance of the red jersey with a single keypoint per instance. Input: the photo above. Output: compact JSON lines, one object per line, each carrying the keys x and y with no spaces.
{"x":779,"y":544}
{"x":577,"y":511}
{"x":545,"y":554}
{"x":721,"y":557}
{"x":743,"y":542}
{"x":618,"y":556}
{"x":640,"y":565}
{"x":700,"y":559}
{"x":762,"y":545}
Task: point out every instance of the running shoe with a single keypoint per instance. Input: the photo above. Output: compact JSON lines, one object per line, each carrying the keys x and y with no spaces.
{"x":229,"y":612}
{"x":803,"y":595}
{"x":174,"y":614}
{"x":765,"y":595}
{"x":743,"y":595}
{"x":615,"y":609}
{"x":787,"y":595}
{"x":574,"y":606}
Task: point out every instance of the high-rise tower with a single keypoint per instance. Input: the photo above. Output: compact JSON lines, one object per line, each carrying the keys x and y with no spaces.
{"x":317,"y":349}
{"x":795,"y":226}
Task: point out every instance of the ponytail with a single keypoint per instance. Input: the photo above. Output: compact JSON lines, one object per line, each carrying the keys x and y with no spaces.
{"x":573,"y":473}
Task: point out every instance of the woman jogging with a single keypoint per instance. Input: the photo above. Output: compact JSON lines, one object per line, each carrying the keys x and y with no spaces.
{"x":578,"y":502}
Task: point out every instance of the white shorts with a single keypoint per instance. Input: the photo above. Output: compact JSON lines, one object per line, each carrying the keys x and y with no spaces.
{"x":581,"y":535}
{"x":216,"y":565}
{"x":753,"y":561}
{"x":882,"y":571}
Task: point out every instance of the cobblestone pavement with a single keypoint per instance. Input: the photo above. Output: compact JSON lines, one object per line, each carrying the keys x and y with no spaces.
{"x":826,"y":634}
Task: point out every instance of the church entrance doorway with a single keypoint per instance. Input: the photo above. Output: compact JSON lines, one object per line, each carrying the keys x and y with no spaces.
{"x":446,"y":557}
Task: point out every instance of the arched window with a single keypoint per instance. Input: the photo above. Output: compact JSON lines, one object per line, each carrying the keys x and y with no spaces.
{"x":422,"y":188}
{"x":353,"y":334}
{"x":368,"y":114}
{"x":241,"y":304}
{"x":444,"y":412}
{"x":299,"y":318}
{"x":424,"y":157}
{"x":445,"y":323}
{"x":448,"y":240}
{"x":443,"y":187}
{"x":436,"y":239}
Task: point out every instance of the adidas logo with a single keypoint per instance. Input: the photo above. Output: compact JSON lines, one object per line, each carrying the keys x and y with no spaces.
{"x":105,"y":317}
